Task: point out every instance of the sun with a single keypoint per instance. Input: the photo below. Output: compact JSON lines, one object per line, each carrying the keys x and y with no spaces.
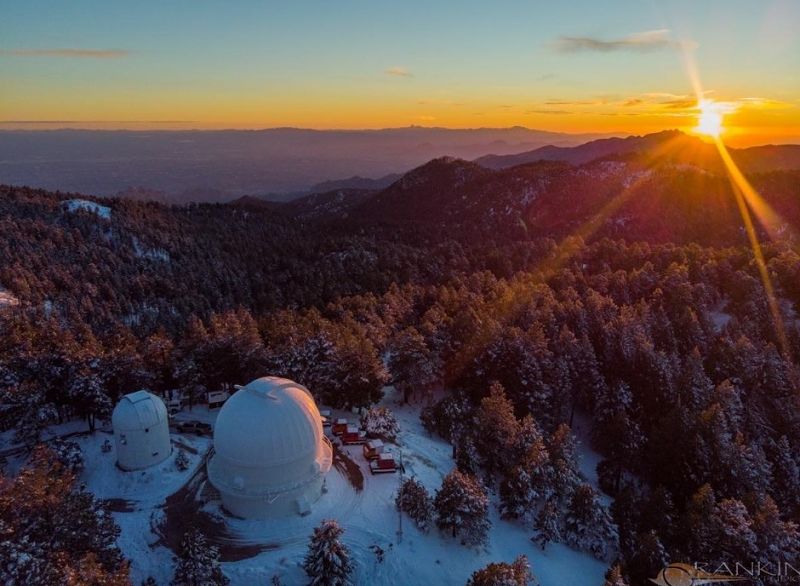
{"x":710,"y":120}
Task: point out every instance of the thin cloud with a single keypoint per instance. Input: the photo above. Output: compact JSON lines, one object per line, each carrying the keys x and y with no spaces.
{"x":70,"y":53}
{"x":680,"y":103}
{"x":642,"y":42}
{"x":558,"y":112}
{"x":398,"y":72}
{"x":632,"y":102}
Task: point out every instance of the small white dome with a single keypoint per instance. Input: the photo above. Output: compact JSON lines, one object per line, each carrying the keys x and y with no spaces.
{"x":141,"y":431}
{"x":139,"y":410}
{"x":268,"y":447}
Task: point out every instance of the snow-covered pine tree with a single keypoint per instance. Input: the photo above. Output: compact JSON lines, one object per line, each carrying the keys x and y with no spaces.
{"x":462,"y":507}
{"x":69,"y":454}
{"x":87,"y":393}
{"x":517,"y":573}
{"x":786,"y":475}
{"x":414,"y":500}
{"x":547,"y":524}
{"x":181,"y":461}
{"x":614,"y":577}
{"x":587,"y":524}
{"x":380,"y":422}
{"x":327,"y":562}
{"x":414,"y":366}
{"x":199,"y":563}
{"x":648,"y":558}
{"x":527,"y":482}
{"x":564,"y":464}
{"x":498,"y":431}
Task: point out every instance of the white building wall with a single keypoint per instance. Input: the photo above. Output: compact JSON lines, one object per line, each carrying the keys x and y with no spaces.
{"x":140,"y":448}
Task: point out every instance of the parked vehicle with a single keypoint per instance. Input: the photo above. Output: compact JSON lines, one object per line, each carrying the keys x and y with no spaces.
{"x":196,"y":427}
{"x":353,"y":435}
{"x":339,"y":426}
{"x":373,"y":449}
{"x":217,"y":398}
{"x":383,"y":464}
{"x":174,"y":406}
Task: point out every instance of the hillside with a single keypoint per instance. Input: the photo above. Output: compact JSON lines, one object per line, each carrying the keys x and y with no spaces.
{"x":649,"y":195}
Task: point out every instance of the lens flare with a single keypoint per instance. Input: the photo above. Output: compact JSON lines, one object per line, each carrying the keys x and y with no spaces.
{"x":710,"y":120}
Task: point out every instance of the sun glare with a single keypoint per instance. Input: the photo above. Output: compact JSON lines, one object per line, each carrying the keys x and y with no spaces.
{"x":710,"y":120}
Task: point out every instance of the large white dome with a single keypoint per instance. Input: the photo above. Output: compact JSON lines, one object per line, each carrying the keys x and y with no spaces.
{"x":270,"y":452}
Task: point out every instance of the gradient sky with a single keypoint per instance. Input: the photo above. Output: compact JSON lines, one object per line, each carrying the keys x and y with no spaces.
{"x":577,"y":66}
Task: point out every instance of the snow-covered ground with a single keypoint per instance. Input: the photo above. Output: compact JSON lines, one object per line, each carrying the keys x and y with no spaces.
{"x":368,"y":517}
{"x":73,"y":205}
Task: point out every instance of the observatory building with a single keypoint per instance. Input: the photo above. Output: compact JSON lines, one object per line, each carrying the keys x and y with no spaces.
{"x":141,"y":431}
{"x":270,"y":455}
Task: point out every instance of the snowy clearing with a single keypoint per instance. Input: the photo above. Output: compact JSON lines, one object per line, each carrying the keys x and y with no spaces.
{"x":253,"y":551}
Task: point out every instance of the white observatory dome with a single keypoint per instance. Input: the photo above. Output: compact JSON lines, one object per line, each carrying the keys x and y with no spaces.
{"x":270,"y":455}
{"x":141,"y":430}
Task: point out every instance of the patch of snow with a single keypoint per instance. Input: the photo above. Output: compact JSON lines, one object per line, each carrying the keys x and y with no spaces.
{"x":719,"y":317}
{"x":7,"y":299}
{"x":74,"y":205}
{"x":636,"y":177}
{"x":149,"y":253}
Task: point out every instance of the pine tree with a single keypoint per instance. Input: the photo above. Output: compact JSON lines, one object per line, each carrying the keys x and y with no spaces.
{"x":528,"y":476}
{"x":198,"y":563}
{"x":786,"y":475}
{"x":69,"y":454}
{"x":327,"y":562}
{"x":414,"y":500}
{"x":87,"y":391}
{"x":498,"y":429}
{"x":587,"y":524}
{"x":414,"y":366}
{"x":648,"y":558}
{"x":548,"y":524}
{"x":462,"y":507}
{"x":564,"y":477}
{"x":380,"y":422}
{"x":517,"y":573}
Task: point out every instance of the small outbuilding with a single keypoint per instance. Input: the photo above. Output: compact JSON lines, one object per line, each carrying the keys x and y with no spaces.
{"x":141,"y":431}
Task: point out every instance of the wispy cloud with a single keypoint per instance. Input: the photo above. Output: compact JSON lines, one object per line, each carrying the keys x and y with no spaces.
{"x":644,"y":41}
{"x":398,"y":71}
{"x":559,"y":112}
{"x":71,"y":53}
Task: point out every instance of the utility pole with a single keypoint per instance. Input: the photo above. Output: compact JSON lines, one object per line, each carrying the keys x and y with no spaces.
{"x":399,"y":511}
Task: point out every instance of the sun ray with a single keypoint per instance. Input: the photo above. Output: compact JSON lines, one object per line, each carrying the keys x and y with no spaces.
{"x":747,"y":198}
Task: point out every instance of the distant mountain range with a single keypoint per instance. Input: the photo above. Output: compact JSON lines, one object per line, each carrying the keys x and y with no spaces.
{"x":664,"y":187}
{"x":686,"y":149}
{"x":183,"y":166}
